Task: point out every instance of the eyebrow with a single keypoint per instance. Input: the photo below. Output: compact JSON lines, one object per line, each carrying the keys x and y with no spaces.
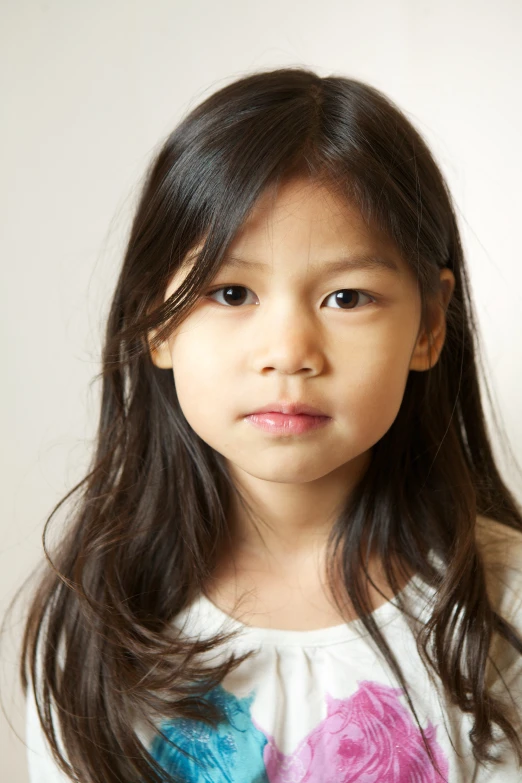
{"x":343,"y":264}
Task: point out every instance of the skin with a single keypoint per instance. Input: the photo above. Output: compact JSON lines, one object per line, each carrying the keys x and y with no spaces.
{"x":290,"y":339}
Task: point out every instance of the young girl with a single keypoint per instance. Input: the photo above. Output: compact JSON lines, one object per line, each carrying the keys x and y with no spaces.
{"x":293,"y":557}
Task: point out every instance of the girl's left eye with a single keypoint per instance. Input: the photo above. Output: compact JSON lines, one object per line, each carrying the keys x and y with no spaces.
{"x":346,"y":298}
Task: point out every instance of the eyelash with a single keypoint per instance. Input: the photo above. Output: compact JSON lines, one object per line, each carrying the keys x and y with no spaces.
{"x":356,"y":290}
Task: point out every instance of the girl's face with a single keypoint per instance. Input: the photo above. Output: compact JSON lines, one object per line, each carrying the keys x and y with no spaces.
{"x":287,"y":325}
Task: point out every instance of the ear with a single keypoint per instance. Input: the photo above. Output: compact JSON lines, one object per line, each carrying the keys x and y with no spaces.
{"x":161,"y":355}
{"x":424,"y":356}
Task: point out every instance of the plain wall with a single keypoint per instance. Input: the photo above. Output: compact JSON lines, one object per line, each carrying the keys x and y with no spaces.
{"x":89,"y":89}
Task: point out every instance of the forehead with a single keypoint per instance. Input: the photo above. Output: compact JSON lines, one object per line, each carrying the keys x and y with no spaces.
{"x":308,"y":222}
{"x":302,"y":206}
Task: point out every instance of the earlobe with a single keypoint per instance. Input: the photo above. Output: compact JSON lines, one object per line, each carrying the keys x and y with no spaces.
{"x":161,"y":355}
{"x":426,"y":355}
{"x":430,"y":342}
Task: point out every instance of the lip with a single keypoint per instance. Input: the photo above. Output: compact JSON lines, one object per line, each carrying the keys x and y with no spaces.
{"x":286,"y":424}
{"x":287,"y":418}
{"x":289,"y":408}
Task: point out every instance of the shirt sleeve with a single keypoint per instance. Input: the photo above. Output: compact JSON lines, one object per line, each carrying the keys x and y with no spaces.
{"x":508,"y":770}
{"x":502,"y":548}
{"x":40,"y":762}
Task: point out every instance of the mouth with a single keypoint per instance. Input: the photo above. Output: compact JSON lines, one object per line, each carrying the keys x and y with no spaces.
{"x":289,"y":409}
{"x":278,"y":423}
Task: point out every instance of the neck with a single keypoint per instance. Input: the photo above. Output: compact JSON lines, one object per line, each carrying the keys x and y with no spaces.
{"x":278,"y":523}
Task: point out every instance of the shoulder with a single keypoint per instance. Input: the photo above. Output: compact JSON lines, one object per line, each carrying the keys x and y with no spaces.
{"x":492,"y":533}
{"x":41,"y":765}
{"x":500,"y":547}
{"x":501,"y":550}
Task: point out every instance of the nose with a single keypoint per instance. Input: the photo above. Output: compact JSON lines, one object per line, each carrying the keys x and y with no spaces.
{"x":288,"y":340}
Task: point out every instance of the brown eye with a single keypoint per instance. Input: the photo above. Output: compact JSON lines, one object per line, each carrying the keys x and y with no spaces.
{"x":232,"y":294}
{"x":349,"y":298}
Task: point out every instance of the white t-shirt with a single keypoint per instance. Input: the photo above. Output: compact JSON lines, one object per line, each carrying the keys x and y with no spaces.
{"x":322,"y":706}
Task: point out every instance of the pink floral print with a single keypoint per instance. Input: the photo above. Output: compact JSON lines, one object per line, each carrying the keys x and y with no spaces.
{"x":369,"y":737}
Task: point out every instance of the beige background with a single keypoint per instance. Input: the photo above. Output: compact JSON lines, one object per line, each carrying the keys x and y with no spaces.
{"x":89,"y":89}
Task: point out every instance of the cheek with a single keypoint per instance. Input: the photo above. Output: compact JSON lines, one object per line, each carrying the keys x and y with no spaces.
{"x":378,"y":401}
{"x":372,"y":384}
{"x":200,"y":386}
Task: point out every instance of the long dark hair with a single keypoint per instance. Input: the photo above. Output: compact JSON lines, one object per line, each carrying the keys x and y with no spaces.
{"x":151,"y":513}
